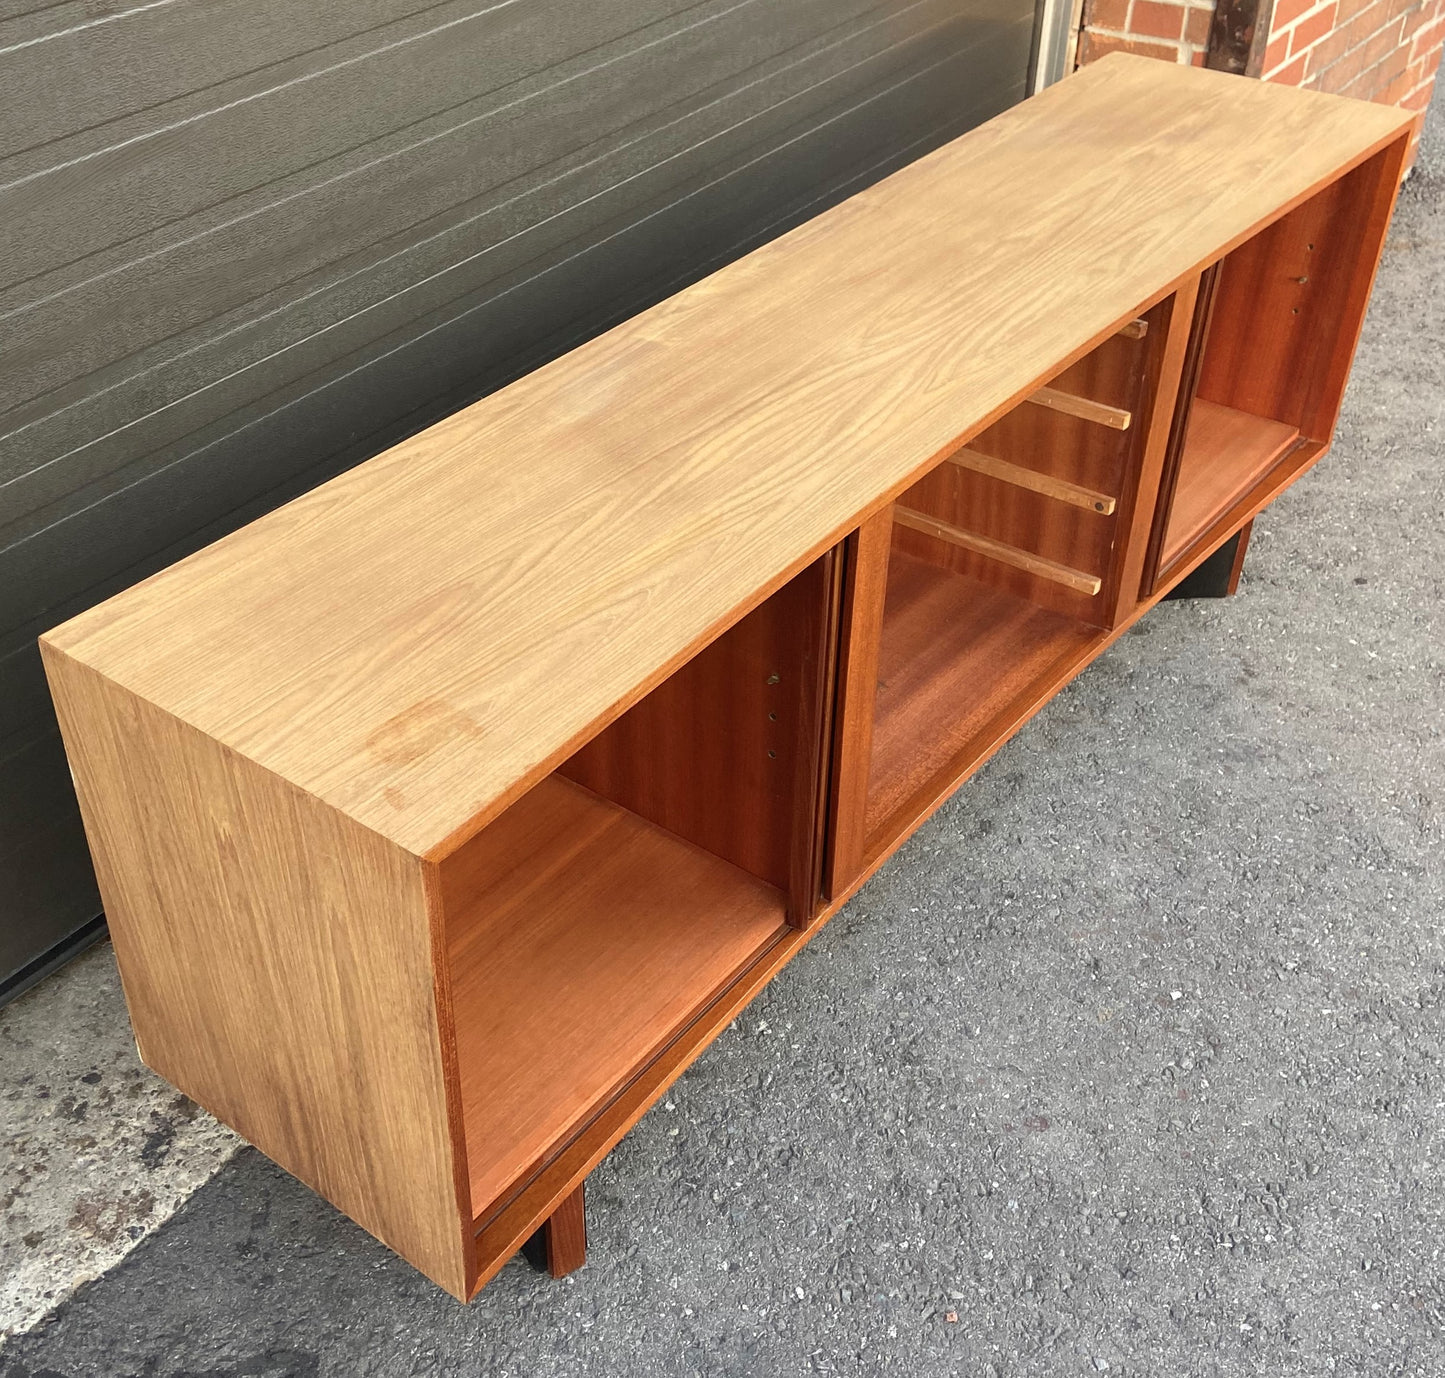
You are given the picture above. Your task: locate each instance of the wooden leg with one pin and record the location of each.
(560, 1246)
(1218, 576)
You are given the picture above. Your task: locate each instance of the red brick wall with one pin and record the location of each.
(1380, 50)
(1155, 28)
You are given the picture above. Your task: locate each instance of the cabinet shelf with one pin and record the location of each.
(961, 664)
(1226, 453)
(589, 939)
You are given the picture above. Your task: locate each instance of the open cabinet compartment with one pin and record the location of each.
(992, 580)
(1270, 350)
(596, 917)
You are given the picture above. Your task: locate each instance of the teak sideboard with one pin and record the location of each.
(446, 813)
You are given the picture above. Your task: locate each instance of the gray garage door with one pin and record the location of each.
(247, 243)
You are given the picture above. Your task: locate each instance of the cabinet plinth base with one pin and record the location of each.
(1218, 576)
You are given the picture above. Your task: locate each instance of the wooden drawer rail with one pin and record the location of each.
(997, 550)
(1085, 408)
(1022, 477)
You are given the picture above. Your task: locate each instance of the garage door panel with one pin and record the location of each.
(175, 375)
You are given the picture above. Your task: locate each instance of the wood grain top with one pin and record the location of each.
(419, 640)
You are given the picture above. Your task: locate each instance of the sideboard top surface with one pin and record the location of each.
(420, 639)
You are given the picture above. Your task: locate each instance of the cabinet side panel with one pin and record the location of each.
(865, 592)
(277, 963)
